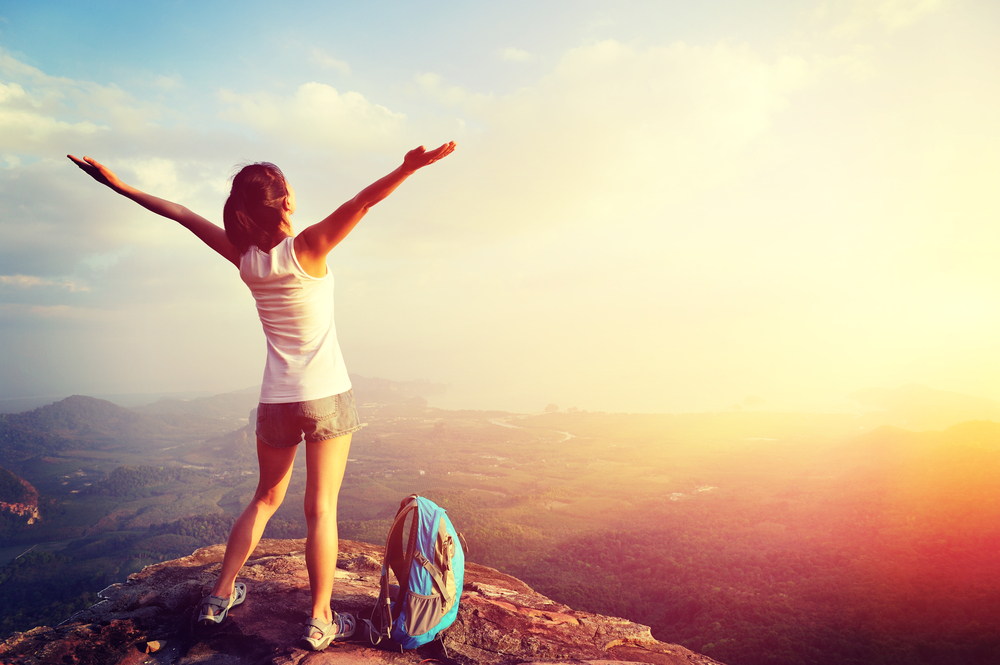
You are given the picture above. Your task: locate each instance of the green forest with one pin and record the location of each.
(751, 537)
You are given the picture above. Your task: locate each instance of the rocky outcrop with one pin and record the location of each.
(149, 620)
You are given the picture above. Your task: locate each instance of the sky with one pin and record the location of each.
(654, 206)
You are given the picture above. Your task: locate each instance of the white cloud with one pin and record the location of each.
(105, 260)
(31, 281)
(895, 14)
(516, 55)
(168, 82)
(433, 85)
(614, 131)
(158, 175)
(41, 113)
(59, 312)
(327, 61)
(852, 17)
(24, 125)
(317, 115)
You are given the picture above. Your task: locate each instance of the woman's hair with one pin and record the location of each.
(253, 212)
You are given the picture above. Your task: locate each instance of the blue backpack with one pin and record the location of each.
(424, 553)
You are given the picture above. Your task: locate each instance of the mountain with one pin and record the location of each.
(501, 620)
(917, 407)
(232, 406)
(384, 391)
(92, 424)
(934, 486)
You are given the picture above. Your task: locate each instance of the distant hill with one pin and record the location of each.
(955, 471)
(916, 407)
(128, 400)
(89, 423)
(384, 391)
(227, 406)
(235, 405)
(898, 443)
(19, 404)
(78, 415)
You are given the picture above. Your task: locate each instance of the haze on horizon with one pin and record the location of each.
(653, 206)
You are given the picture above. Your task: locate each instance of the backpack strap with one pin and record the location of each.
(465, 544)
(381, 615)
(436, 576)
(398, 558)
(411, 547)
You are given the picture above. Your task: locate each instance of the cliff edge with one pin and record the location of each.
(148, 620)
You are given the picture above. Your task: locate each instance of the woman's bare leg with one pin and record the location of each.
(325, 464)
(275, 472)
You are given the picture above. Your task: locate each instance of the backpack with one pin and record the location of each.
(429, 564)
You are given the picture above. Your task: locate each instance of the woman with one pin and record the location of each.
(306, 392)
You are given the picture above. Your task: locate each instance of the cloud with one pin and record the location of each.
(316, 115)
(434, 86)
(66, 312)
(895, 14)
(516, 55)
(40, 113)
(58, 221)
(30, 281)
(164, 177)
(105, 260)
(325, 60)
(614, 131)
(852, 17)
(24, 125)
(168, 82)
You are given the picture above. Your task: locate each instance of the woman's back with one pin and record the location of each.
(304, 361)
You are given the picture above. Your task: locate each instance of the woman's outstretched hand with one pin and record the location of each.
(98, 172)
(419, 157)
(212, 235)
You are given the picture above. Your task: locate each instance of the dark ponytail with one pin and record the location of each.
(253, 212)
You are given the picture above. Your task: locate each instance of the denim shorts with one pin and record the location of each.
(285, 425)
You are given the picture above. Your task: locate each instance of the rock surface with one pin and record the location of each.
(149, 620)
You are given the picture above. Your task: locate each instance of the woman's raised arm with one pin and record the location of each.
(315, 242)
(212, 235)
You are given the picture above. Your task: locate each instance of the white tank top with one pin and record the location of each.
(296, 309)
